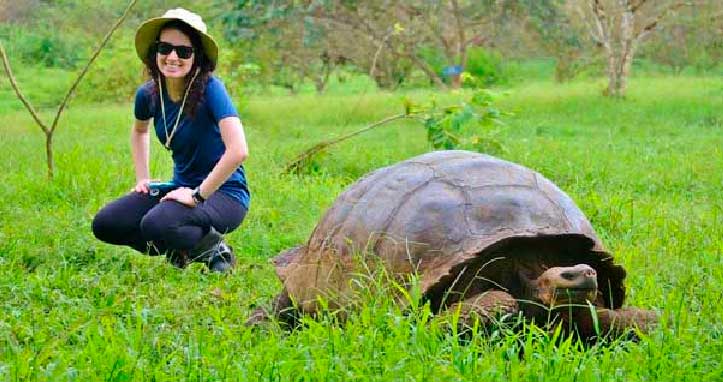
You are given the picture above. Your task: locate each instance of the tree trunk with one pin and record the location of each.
(567, 66)
(456, 81)
(322, 79)
(433, 76)
(627, 42)
(612, 73)
(625, 66)
(49, 153)
(461, 44)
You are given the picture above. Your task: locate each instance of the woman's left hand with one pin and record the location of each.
(182, 195)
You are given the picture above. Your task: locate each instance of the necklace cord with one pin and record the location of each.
(169, 137)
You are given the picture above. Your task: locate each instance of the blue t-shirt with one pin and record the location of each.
(196, 145)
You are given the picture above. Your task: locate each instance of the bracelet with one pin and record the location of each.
(196, 196)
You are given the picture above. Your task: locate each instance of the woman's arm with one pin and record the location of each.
(237, 151)
(232, 134)
(140, 143)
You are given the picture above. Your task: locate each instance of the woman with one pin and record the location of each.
(194, 118)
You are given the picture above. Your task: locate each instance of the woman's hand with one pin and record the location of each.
(181, 195)
(142, 186)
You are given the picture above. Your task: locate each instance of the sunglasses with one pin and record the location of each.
(184, 52)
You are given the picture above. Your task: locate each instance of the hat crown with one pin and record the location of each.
(187, 17)
(148, 32)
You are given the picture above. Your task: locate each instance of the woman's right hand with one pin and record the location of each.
(142, 186)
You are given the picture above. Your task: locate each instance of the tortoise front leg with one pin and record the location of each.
(282, 309)
(611, 324)
(486, 308)
(616, 323)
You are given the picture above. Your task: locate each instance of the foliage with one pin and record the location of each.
(420, 32)
(294, 45)
(44, 86)
(557, 32)
(693, 39)
(486, 66)
(116, 74)
(286, 44)
(472, 124)
(41, 45)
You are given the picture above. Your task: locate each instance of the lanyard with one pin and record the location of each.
(169, 137)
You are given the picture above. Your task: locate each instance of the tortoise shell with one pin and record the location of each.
(438, 215)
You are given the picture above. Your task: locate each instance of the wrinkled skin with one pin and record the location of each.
(563, 294)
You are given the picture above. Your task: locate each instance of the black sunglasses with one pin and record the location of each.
(164, 48)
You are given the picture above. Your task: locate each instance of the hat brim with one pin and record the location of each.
(148, 32)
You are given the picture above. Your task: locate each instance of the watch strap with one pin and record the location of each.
(196, 195)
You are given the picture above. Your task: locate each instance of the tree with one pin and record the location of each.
(407, 30)
(693, 39)
(555, 32)
(619, 26)
(288, 44)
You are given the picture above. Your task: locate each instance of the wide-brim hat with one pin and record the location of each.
(147, 33)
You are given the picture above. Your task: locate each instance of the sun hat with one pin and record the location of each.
(148, 32)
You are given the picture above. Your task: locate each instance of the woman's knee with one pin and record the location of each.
(155, 227)
(119, 218)
(99, 226)
(106, 227)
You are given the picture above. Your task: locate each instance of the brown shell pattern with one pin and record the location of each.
(432, 214)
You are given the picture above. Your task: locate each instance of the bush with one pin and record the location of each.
(115, 74)
(43, 46)
(486, 66)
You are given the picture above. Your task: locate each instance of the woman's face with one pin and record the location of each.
(170, 64)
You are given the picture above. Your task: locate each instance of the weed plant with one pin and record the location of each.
(647, 171)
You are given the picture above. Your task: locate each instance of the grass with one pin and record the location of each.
(647, 171)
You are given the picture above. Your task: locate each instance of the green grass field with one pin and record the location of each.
(647, 171)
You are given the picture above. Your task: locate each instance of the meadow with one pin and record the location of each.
(647, 171)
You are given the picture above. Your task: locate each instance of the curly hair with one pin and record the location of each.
(201, 61)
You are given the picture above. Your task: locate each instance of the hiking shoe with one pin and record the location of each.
(206, 247)
(178, 258)
(222, 260)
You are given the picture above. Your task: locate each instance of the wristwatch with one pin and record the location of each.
(196, 195)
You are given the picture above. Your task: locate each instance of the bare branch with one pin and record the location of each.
(600, 21)
(649, 27)
(296, 163)
(461, 47)
(14, 84)
(379, 50)
(438, 33)
(583, 16)
(398, 49)
(634, 7)
(87, 66)
(477, 40)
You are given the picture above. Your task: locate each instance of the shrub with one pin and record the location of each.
(42, 46)
(485, 65)
(115, 74)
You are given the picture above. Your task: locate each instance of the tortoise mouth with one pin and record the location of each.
(567, 296)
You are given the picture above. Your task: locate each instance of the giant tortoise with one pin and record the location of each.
(483, 237)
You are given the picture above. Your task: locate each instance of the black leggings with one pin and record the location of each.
(138, 220)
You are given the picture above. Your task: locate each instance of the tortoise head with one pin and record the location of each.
(566, 285)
